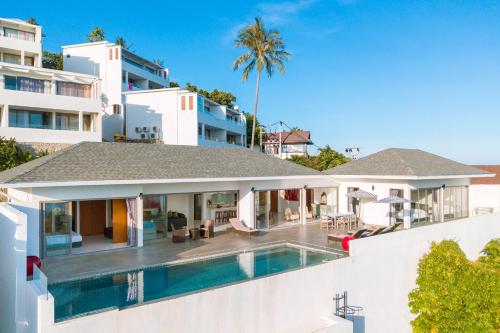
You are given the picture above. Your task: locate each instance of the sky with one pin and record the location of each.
(368, 73)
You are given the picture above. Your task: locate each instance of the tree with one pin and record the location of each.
(33, 21)
(173, 84)
(95, 35)
(327, 158)
(295, 129)
(119, 41)
(11, 155)
(216, 95)
(52, 60)
(454, 294)
(258, 128)
(265, 50)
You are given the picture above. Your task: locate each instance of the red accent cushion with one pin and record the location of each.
(30, 260)
(345, 242)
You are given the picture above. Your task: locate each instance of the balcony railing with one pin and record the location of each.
(221, 117)
(146, 68)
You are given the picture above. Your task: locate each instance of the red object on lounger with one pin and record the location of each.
(345, 242)
(30, 260)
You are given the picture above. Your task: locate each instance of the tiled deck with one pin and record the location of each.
(162, 251)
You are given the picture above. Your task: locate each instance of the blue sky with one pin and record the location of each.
(368, 73)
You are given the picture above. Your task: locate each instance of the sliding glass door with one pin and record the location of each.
(56, 228)
(275, 207)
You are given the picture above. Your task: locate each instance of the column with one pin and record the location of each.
(78, 217)
(80, 121)
(441, 204)
(303, 205)
(4, 122)
(22, 57)
(407, 209)
(140, 221)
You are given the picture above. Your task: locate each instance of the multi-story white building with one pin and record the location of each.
(38, 106)
(177, 116)
(120, 71)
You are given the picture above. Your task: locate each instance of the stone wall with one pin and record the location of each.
(38, 147)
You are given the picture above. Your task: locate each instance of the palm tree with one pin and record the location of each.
(265, 50)
(122, 42)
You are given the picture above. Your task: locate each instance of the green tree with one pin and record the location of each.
(119, 41)
(216, 95)
(258, 128)
(296, 128)
(95, 35)
(455, 294)
(326, 158)
(11, 155)
(52, 60)
(173, 84)
(32, 20)
(265, 50)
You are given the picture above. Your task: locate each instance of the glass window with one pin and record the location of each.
(56, 224)
(73, 89)
(12, 58)
(10, 82)
(30, 119)
(67, 121)
(29, 61)
(276, 207)
(155, 216)
(87, 123)
(19, 34)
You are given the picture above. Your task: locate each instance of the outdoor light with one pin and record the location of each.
(373, 187)
(305, 187)
(252, 189)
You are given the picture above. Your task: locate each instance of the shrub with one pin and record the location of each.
(11, 155)
(455, 294)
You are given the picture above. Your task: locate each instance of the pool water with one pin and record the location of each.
(121, 290)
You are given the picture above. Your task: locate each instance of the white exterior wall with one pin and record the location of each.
(484, 196)
(13, 251)
(20, 46)
(377, 213)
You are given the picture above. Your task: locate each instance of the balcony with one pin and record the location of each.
(215, 142)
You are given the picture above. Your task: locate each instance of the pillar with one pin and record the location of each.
(80, 121)
(407, 209)
(303, 205)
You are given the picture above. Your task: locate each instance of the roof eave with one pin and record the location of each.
(403, 177)
(154, 181)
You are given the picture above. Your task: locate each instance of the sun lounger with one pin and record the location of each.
(373, 233)
(240, 227)
(339, 236)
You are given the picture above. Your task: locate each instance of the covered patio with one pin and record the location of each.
(61, 268)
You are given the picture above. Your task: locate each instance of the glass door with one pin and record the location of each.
(56, 226)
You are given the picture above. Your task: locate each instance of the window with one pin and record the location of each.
(12, 58)
(73, 89)
(116, 108)
(87, 123)
(110, 54)
(183, 103)
(29, 61)
(30, 119)
(19, 34)
(67, 121)
(190, 102)
(26, 84)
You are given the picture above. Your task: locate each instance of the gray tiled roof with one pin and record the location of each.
(404, 162)
(99, 161)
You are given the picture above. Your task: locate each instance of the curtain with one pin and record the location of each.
(131, 222)
(73, 89)
(32, 85)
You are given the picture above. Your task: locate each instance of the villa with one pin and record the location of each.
(43, 108)
(286, 144)
(120, 70)
(148, 205)
(178, 116)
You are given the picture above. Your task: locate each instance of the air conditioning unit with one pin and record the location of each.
(138, 130)
(143, 136)
(153, 136)
(145, 129)
(156, 129)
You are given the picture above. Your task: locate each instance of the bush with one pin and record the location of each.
(11, 155)
(455, 294)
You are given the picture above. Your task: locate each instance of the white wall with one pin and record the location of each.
(382, 270)
(481, 196)
(271, 304)
(13, 239)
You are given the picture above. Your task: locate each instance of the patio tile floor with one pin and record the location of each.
(162, 251)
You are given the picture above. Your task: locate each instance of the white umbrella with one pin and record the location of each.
(362, 196)
(394, 200)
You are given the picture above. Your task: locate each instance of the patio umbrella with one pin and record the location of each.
(362, 196)
(394, 200)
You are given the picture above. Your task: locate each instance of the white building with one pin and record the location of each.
(485, 192)
(435, 189)
(42, 107)
(120, 71)
(177, 116)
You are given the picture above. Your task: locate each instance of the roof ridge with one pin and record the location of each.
(404, 162)
(50, 158)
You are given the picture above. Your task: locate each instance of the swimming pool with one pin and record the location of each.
(125, 289)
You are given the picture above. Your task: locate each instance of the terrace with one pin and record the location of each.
(61, 268)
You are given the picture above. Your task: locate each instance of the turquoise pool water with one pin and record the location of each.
(121, 290)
